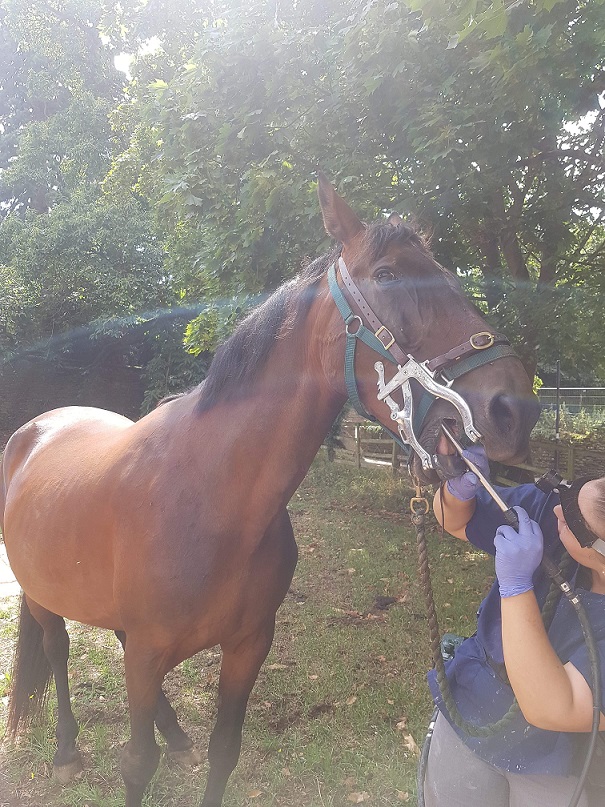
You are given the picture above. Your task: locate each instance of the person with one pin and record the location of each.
(535, 760)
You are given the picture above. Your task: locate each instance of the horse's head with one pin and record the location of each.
(421, 306)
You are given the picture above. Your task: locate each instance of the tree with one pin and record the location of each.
(193, 182)
(485, 124)
(72, 255)
(503, 154)
(59, 84)
(74, 267)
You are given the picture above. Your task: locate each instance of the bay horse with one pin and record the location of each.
(173, 530)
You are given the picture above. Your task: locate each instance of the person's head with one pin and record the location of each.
(583, 509)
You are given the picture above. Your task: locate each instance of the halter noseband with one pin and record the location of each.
(435, 376)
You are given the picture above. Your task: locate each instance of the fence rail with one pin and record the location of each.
(363, 447)
(574, 399)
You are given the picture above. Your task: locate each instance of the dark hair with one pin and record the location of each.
(599, 501)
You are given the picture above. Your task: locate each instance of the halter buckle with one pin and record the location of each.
(384, 330)
(489, 337)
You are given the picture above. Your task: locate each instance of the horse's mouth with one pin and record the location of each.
(434, 442)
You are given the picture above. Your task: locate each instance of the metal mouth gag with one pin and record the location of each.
(404, 417)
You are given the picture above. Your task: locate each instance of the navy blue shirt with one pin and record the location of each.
(475, 673)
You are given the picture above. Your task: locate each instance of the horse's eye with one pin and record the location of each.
(384, 275)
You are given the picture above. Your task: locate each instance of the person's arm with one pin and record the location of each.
(452, 513)
(551, 695)
(454, 502)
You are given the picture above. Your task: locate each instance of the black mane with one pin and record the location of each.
(239, 360)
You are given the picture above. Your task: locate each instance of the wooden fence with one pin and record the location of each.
(363, 446)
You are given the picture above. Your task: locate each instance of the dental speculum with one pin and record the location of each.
(404, 416)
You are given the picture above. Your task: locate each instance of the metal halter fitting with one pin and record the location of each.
(435, 376)
(404, 417)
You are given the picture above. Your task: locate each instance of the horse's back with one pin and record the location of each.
(55, 432)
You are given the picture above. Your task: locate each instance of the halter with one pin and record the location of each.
(435, 376)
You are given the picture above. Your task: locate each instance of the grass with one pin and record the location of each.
(340, 705)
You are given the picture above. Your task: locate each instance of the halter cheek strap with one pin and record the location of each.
(355, 329)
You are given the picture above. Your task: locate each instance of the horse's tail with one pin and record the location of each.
(30, 676)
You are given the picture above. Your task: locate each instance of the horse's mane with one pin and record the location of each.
(238, 361)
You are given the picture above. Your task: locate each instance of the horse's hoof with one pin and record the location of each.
(67, 773)
(188, 758)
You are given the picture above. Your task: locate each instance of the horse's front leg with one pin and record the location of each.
(239, 670)
(141, 754)
(180, 748)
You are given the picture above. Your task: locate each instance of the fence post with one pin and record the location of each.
(570, 462)
(358, 445)
(394, 459)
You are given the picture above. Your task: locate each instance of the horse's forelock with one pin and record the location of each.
(380, 235)
(430, 286)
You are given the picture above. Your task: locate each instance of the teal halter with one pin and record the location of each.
(438, 373)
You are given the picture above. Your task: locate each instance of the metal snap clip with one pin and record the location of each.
(419, 505)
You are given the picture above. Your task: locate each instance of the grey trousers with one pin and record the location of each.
(456, 777)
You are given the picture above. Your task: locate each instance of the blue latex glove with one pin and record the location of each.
(518, 555)
(466, 486)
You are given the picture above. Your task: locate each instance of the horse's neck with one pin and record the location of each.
(295, 406)
(274, 429)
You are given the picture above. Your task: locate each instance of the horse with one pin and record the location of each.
(173, 530)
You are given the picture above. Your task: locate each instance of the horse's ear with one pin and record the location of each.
(339, 220)
(394, 220)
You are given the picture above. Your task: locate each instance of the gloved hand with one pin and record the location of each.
(518, 555)
(465, 487)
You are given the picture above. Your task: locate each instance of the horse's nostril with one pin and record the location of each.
(509, 411)
(502, 411)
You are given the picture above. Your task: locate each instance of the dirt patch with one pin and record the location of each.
(8, 798)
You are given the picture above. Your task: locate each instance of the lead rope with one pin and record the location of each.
(419, 507)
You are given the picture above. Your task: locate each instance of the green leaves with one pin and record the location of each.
(463, 115)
